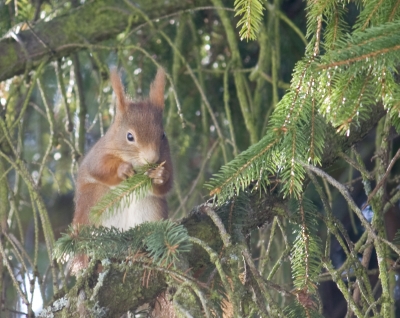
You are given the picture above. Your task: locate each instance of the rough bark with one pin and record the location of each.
(90, 23)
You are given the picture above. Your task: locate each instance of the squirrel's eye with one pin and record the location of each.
(130, 138)
(163, 136)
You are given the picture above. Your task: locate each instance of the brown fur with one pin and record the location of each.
(101, 167)
(113, 158)
(156, 95)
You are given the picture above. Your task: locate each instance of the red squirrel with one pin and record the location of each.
(135, 138)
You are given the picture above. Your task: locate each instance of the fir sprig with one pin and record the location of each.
(376, 46)
(358, 74)
(296, 310)
(235, 176)
(306, 252)
(252, 14)
(167, 241)
(336, 24)
(163, 241)
(295, 133)
(133, 188)
(374, 13)
(342, 86)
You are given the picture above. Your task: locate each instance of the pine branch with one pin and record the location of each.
(376, 46)
(315, 13)
(358, 73)
(340, 85)
(166, 242)
(307, 251)
(237, 174)
(163, 241)
(336, 25)
(374, 13)
(317, 129)
(288, 138)
(394, 13)
(134, 188)
(296, 310)
(252, 14)
(352, 100)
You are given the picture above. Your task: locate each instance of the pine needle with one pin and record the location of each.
(133, 188)
(163, 241)
(252, 13)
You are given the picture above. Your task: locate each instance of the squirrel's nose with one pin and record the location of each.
(150, 156)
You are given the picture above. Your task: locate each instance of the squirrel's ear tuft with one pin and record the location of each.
(156, 95)
(118, 90)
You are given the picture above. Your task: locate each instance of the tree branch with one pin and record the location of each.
(93, 22)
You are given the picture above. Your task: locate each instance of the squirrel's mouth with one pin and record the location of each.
(149, 156)
(143, 167)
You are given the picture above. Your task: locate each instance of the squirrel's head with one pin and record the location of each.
(138, 131)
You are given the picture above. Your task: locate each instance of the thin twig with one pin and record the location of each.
(216, 261)
(345, 192)
(50, 119)
(382, 181)
(199, 175)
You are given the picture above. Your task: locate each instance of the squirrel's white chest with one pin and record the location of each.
(147, 209)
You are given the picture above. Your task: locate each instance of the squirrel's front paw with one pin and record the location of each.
(159, 175)
(125, 170)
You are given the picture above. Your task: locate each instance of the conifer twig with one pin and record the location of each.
(110, 203)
